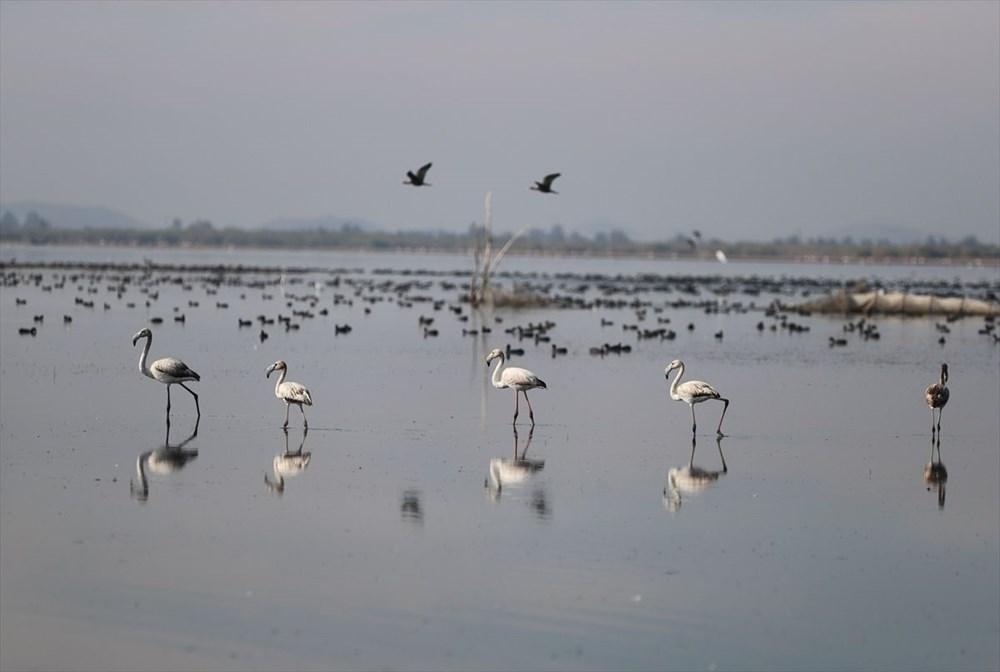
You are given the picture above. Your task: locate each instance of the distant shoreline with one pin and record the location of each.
(804, 259)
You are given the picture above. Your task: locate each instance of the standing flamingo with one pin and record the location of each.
(693, 392)
(168, 370)
(290, 393)
(936, 396)
(517, 379)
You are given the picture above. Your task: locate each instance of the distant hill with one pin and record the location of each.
(69, 216)
(323, 222)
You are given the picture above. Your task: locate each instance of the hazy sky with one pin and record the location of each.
(745, 120)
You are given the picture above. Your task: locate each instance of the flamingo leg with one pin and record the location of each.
(196, 406)
(516, 407)
(168, 405)
(694, 423)
(531, 413)
(940, 411)
(718, 430)
(305, 423)
(287, 407)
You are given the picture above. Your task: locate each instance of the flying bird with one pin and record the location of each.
(169, 371)
(417, 180)
(693, 392)
(290, 393)
(545, 186)
(936, 396)
(518, 379)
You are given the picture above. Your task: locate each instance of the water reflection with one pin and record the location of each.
(162, 461)
(287, 464)
(935, 474)
(515, 472)
(411, 509)
(690, 479)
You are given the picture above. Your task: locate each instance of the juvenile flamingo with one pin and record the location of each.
(290, 393)
(936, 396)
(693, 392)
(169, 371)
(517, 379)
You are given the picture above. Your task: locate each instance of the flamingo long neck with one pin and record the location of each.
(944, 376)
(496, 374)
(277, 384)
(142, 358)
(673, 388)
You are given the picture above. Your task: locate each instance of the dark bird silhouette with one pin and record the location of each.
(545, 186)
(417, 179)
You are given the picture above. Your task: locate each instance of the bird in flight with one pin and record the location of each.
(417, 179)
(545, 186)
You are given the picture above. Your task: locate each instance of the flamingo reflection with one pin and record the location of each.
(287, 464)
(935, 474)
(411, 509)
(162, 461)
(690, 479)
(513, 472)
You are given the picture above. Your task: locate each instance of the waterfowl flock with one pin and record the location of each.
(638, 313)
(624, 303)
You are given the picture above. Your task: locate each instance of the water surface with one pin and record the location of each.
(821, 546)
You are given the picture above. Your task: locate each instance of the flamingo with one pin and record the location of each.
(417, 180)
(936, 396)
(693, 392)
(169, 371)
(517, 379)
(290, 393)
(545, 186)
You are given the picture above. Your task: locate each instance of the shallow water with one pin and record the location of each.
(820, 546)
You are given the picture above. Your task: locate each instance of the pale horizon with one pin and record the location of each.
(746, 121)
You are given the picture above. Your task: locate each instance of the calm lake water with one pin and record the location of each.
(412, 528)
